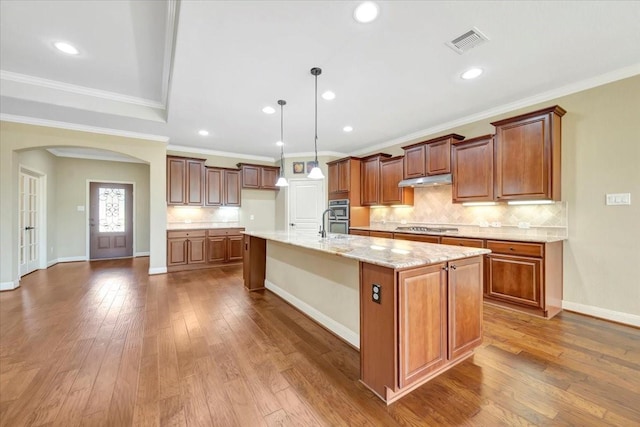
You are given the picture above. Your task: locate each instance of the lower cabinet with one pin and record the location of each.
(439, 322)
(195, 249)
(254, 262)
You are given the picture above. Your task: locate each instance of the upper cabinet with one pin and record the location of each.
(472, 169)
(391, 173)
(528, 156)
(259, 176)
(370, 179)
(344, 179)
(432, 157)
(222, 187)
(185, 181)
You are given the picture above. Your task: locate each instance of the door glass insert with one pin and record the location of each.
(111, 210)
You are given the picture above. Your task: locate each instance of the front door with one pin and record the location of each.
(110, 220)
(28, 222)
(306, 203)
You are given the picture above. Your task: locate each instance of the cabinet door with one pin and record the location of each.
(197, 250)
(269, 178)
(333, 178)
(216, 249)
(515, 279)
(391, 175)
(232, 195)
(472, 169)
(422, 305)
(344, 175)
(213, 187)
(176, 252)
(415, 162)
(438, 157)
(176, 181)
(370, 182)
(251, 176)
(234, 248)
(465, 305)
(195, 182)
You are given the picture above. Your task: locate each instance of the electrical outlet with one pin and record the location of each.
(524, 225)
(376, 294)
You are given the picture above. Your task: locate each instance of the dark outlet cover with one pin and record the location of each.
(376, 293)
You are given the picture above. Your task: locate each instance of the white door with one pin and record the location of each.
(28, 222)
(306, 203)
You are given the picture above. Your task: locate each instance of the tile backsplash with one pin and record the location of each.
(432, 205)
(196, 215)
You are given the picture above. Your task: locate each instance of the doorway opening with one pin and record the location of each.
(32, 239)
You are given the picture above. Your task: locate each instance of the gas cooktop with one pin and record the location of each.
(428, 229)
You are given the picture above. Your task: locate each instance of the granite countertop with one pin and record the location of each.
(200, 225)
(397, 254)
(490, 233)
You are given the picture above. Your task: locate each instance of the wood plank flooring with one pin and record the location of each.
(104, 344)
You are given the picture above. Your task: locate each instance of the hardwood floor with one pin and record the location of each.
(104, 344)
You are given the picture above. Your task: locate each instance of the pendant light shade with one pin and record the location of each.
(316, 172)
(282, 181)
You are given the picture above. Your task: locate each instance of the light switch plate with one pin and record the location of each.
(618, 199)
(80, 208)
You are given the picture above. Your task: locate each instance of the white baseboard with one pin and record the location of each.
(337, 328)
(137, 254)
(52, 262)
(157, 270)
(9, 286)
(72, 259)
(603, 313)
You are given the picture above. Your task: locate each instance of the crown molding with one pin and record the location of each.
(313, 154)
(569, 89)
(82, 128)
(78, 90)
(106, 156)
(195, 150)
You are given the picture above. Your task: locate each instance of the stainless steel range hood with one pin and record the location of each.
(426, 181)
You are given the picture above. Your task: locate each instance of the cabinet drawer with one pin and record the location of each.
(416, 237)
(186, 233)
(383, 234)
(225, 232)
(516, 248)
(459, 241)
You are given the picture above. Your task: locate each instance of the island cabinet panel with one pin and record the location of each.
(422, 302)
(465, 306)
(254, 262)
(528, 155)
(185, 181)
(472, 170)
(390, 176)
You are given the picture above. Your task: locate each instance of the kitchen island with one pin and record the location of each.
(413, 309)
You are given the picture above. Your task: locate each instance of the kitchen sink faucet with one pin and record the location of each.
(323, 230)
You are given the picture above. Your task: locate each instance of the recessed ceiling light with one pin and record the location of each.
(471, 73)
(268, 110)
(279, 143)
(366, 12)
(328, 95)
(347, 128)
(203, 132)
(66, 48)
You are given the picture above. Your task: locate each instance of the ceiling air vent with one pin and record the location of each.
(468, 40)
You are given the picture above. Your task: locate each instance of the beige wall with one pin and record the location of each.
(17, 137)
(600, 154)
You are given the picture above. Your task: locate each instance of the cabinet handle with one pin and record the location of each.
(453, 267)
(511, 249)
(445, 268)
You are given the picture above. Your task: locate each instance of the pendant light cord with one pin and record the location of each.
(282, 140)
(316, 119)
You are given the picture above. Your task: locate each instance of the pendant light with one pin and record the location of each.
(282, 181)
(316, 173)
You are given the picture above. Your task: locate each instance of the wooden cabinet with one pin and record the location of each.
(186, 248)
(528, 157)
(525, 276)
(254, 262)
(472, 169)
(422, 333)
(382, 234)
(359, 232)
(185, 181)
(222, 187)
(391, 173)
(462, 241)
(344, 179)
(465, 306)
(431, 157)
(195, 249)
(370, 179)
(259, 176)
(417, 237)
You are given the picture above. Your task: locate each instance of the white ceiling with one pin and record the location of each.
(168, 69)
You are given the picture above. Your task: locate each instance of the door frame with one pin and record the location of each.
(42, 215)
(287, 209)
(87, 212)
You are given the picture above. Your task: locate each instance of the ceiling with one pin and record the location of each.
(166, 69)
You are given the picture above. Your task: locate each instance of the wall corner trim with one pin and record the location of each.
(603, 313)
(9, 286)
(157, 270)
(335, 327)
